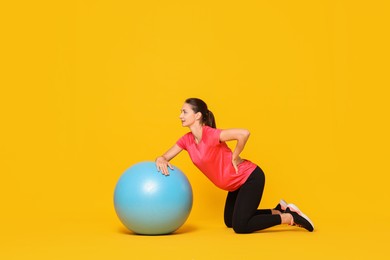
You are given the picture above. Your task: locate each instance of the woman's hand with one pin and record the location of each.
(236, 162)
(162, 165)
(162, 162)
(241, 135)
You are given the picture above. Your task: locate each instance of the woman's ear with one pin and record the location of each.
(198, 115)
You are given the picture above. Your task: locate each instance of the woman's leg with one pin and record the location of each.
(246, 218)
(229, 208)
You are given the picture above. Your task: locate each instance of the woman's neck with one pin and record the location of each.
(197, 131)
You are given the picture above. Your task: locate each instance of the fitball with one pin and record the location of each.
(150, 203)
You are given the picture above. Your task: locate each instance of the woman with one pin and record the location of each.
(243, 179)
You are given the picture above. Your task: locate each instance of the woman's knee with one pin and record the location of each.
(228, 222)
(241, 228)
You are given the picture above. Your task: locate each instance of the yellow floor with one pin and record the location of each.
(105, 238)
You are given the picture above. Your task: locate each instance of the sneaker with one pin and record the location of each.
(299, 219)
(282, 206)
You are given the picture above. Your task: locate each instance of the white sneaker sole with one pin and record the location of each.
(296, 209)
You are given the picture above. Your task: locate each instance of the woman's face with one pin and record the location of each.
(187, 116)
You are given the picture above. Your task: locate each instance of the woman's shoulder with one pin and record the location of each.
(209, 129)
(186, 135)
(211, 134)
(184, 140)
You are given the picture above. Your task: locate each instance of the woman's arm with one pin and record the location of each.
(241, 135)
(162, 162)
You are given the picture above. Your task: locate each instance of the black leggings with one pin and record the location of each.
(241, 211)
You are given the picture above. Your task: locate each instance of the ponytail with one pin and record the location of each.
(199, 105)
(209, 119)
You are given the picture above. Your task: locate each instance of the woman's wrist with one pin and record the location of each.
(237, 159)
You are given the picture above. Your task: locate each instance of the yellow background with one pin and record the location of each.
(89, 88)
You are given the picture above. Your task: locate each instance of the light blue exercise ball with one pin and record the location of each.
(150, 203)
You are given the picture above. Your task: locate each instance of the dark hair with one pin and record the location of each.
(199, 105)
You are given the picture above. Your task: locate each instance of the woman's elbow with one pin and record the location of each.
(246, 133)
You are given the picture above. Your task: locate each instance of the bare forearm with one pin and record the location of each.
(171, 153)
(241, 141)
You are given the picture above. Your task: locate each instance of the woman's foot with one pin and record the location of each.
(282, 206)
(298, 218)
